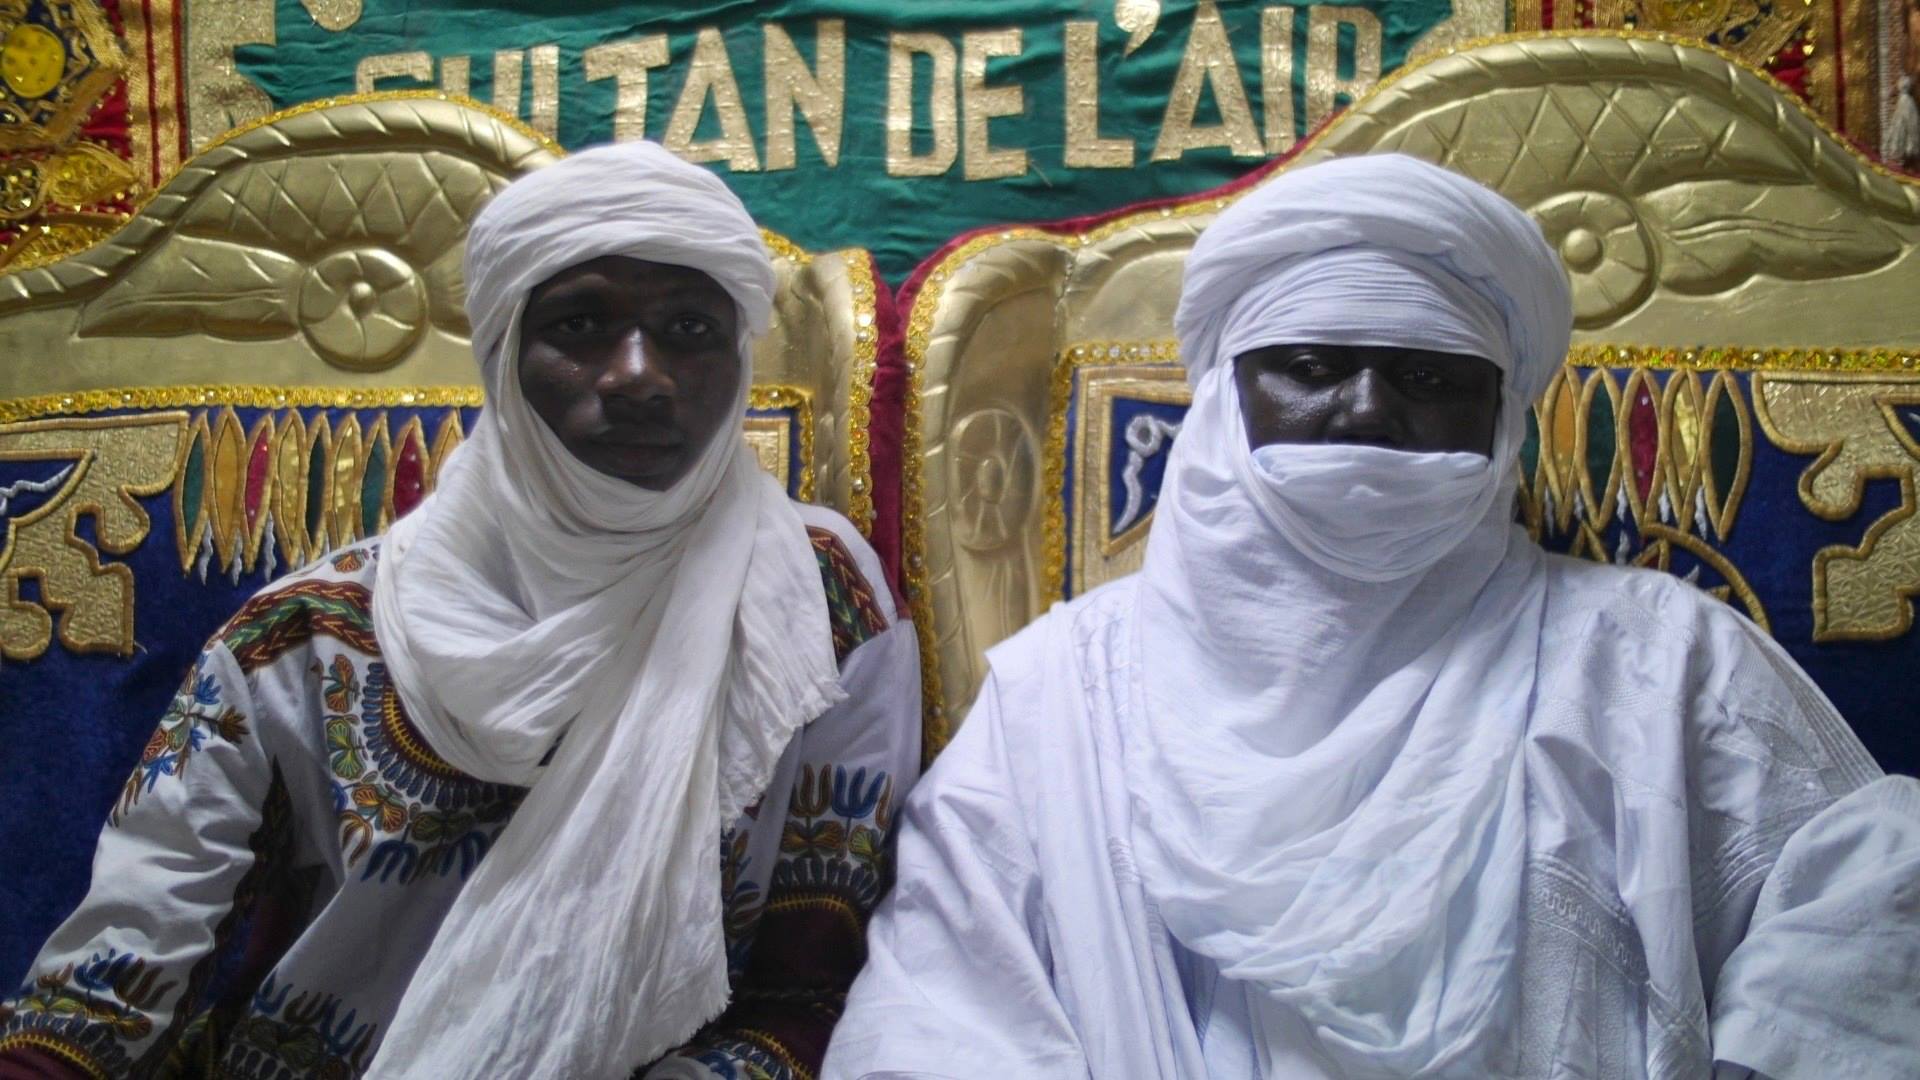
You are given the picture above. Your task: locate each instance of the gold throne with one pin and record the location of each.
(1745, 292)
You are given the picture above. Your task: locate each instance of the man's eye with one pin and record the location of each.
(578, 325)
(1308, 367)
(691, 326)
(1424, 377)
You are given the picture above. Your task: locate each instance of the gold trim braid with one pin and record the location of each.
(1735, 358)
(258, 397)
(866, 363)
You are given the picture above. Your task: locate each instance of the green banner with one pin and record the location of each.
(887, 125)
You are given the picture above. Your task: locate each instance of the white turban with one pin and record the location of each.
(676, 639)
(1336, 643)
(1381, 250)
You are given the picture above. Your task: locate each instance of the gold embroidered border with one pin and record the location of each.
(352, 397)
(1847, 364)
(115, 459)
(258, 397)
(801, 402)
(58, 1047)
(934, 727)
(1738, 358)
(1865, 442)
(1065, 370)
(866, 361)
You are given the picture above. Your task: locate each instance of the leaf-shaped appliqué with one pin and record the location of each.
(342, 685)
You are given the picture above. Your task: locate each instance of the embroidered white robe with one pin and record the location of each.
(287, 846)
(1716, 871)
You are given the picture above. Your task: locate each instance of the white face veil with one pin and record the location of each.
(661, 646)
(1335, 645)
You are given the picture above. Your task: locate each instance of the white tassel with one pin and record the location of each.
(206, 554)
(1902, 145)
(266, 550)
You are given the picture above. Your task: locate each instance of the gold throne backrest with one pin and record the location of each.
(1696, 204)
(314, 258)
(270, 361)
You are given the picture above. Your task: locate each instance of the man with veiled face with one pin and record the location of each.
(1354, 781)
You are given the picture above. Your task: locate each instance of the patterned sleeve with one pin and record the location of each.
(112, 988)
(856, 763)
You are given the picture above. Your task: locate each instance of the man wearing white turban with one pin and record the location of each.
(607, 654)
(1352, 780)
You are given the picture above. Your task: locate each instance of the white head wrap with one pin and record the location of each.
(1336, 643)
(676, 639)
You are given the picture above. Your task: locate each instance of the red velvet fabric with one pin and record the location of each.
(30, 1063)
(885, 430)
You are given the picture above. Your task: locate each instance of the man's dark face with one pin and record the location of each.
(632, 364)
(1402, 399)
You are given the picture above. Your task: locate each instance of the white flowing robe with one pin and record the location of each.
(1715, 871)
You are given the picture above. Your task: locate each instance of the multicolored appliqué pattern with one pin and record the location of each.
(197, 714)
(811, 932)
(400, 807)
(274, 622)
(851, 606)
(86, 1015)
(299, 482)
(311, 1033)
(1660, 459)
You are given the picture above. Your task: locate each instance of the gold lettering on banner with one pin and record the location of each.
(367, 74)
(627, 64)
(333, 15)
(819, 94)
(980, 103)
(219, 98)
(1324, 84)
(711, 75)
(942, 116)
(1085, 148)
(1207, 61)
(1276, 77)
(506, 80)
(543, 113)
(456, 75)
